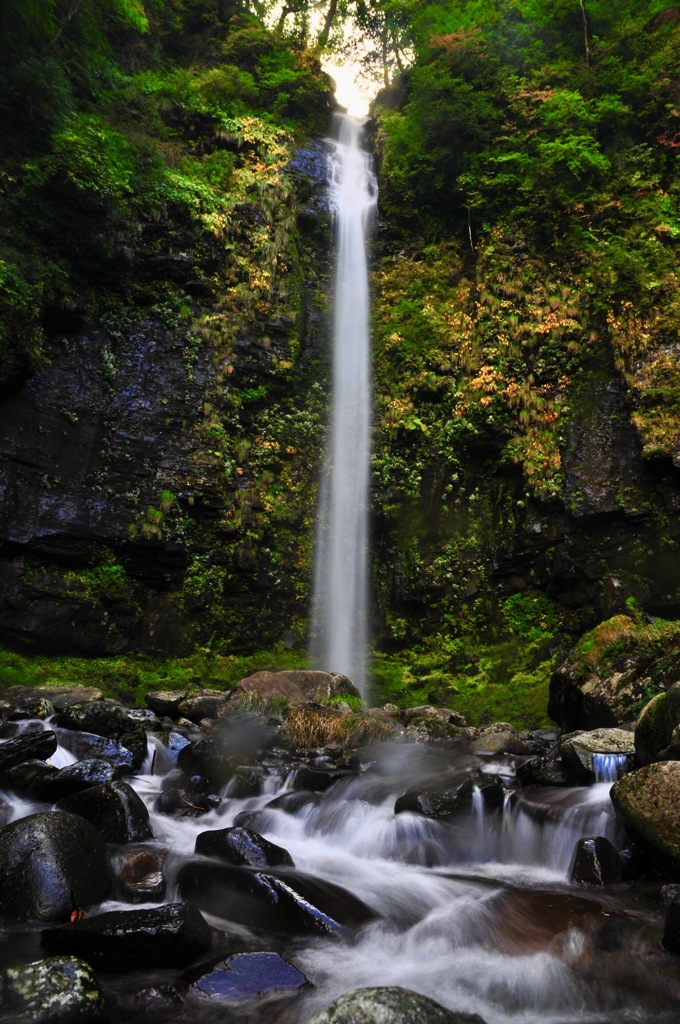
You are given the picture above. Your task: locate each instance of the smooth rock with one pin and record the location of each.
(249, 976)
(242, 846)
(50, 863)
(87, 746)
(390, 1006)
(548, 770)
(114, 809)
(57, 990)
(173, 934)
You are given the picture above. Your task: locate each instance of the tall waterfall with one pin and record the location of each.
(339, 629)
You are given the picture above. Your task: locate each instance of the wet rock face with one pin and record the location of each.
(59, 990)
(50, 862)
(396, 1005)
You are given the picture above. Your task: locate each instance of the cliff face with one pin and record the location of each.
(158, 467)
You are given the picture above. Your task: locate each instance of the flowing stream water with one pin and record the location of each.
(339, 628)
(476, 912)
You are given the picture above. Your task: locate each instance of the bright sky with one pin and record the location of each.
(350, 91)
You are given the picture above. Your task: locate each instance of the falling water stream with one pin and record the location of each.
(340, 592)
(477, 912)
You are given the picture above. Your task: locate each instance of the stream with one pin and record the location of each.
(478, 913)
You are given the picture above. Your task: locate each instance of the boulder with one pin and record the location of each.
(165, 702)
(296, 685)
(657, 730)
(595, 862)
(205, 705)
(647, 801)
(445, 715)
(88, 746)
(500, 738)
(40, 781)
(51, 863)
(390, 1006)
(580, 751)
(104, 718)
(249, 976)
(439, 800)
(241, 846)
(170, 935)
(239, 742)
(139, 875)
(58, 990)
(292, 904)
(602, 682)
(27, 747)
(114, 809)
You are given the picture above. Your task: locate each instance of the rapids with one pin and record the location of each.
(477, 913)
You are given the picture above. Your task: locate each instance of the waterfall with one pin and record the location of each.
(339, 627)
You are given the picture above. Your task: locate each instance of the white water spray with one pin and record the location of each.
(339, 629)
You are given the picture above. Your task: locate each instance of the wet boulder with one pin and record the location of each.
(585, 753)
(170, 935)
(246, 976)
(40, 781)
(319, 778)
(657, 730)
(438, 800)
(240, 741)
(396, 1005)
(104, 718)
(647, 801)
(57, 990)
(87, 746)
(114, 809)
(27, 747)
(595, 862)
(139, 875)
(291, 904)
(242, 846)
(50, 863)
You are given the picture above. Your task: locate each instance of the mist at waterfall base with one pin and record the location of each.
(340, 607)
(477, 912)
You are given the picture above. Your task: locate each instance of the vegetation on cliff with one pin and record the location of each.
(158, 249)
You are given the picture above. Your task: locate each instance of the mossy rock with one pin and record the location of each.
(647, 801)
(656, 736)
